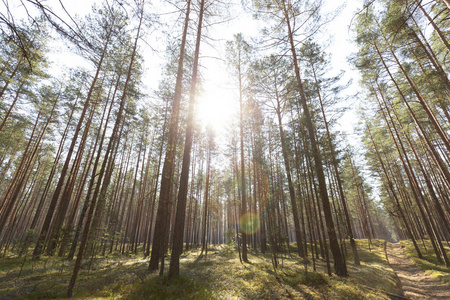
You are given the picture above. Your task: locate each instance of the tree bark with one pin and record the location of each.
(161, 222)
(340, 266)
(174, 269)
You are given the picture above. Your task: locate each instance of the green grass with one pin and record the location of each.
(374, 271)
(429, 262)
(48, 278)
(220, 275)
(161, 287)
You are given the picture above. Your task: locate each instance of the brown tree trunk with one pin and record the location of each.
(8, 113)
(174, 269)
(161, 223)
(206, 200)
(46, 226)
(435, 27)
(13, 73)
(436, 155)
(418, 196)
(60, 215)
(336, 171)
(87, 226)
(340, 267)
(447, 3)
(243, 183)
(298, 235)
(422, 101)
(394, 194)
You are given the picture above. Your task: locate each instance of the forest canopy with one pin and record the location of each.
(154, 128)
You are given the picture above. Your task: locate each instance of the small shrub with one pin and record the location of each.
(230, 235)
(313, 279)
(181, 287)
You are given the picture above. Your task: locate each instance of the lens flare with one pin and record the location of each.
(249, 223)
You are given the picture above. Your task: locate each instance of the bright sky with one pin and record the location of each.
(218, 102)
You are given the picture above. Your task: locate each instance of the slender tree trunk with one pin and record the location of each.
(298, 235)
(394, 194)
(174, 269)
(160, 235)
(340, 267)
(447, 3)
(8, 113)
(243, 183)
(336, 171)
(206, 200)
(86, 230)
(422, 101)
(13, 73)
(46, 226)
(435, 27)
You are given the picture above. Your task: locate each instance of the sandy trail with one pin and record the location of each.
(416, 284)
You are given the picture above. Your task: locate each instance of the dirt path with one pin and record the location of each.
(416, 284)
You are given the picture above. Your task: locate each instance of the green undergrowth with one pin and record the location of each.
(374, 271)
(48, 277)
(219, 275)
(428, 262)
(161, 287)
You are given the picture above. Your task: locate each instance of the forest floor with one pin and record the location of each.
(416, 284)
(428, 262)
(219, 275)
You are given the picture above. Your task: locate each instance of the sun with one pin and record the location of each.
(216, 107)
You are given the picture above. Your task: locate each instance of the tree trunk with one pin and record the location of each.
(178, 232)
(338, 177)
(46, 226)
(298, 235)
(160, 235)
(87, 226)
(339, 262)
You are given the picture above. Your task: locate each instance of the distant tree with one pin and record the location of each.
(288, 14)
(161, 230)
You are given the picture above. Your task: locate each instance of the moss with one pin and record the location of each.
(161, 287)
(428, 262)
(220, 275)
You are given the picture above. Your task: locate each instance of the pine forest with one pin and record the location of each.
(225, 149)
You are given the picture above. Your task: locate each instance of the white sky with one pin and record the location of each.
(220, 94)
(217, 86)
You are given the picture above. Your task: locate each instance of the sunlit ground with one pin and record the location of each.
(220, 275)
(429, 262)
